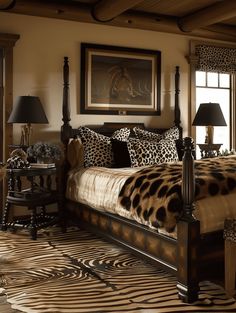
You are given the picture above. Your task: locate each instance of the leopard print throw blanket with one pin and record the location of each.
(153, 194)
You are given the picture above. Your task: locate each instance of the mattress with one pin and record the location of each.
(99, 188)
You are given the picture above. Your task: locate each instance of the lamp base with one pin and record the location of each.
(26, 132)
(209, 135)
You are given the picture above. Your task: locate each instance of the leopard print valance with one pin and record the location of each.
(216, 59)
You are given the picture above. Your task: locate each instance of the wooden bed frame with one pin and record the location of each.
(190, 257)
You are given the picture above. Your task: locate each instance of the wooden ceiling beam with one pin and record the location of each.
(168, 25)
(138, 20)
(71, 11)
(223, 29)
(211, 15)
(6, 4)
(106, 10)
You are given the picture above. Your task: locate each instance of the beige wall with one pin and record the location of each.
(38, 61)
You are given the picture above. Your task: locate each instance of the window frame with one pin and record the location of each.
(193, 59)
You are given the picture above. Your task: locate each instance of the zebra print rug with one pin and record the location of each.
(77, 272)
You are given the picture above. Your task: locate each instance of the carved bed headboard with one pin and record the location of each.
(107, 129)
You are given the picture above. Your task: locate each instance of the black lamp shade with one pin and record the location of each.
(28, 109)
(209, 114)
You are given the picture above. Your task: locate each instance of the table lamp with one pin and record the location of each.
(28, 109)
(209, 115)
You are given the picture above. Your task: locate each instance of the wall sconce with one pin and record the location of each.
(209, 115)
(28, 109)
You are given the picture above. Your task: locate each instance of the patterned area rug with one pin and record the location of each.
(78, 272)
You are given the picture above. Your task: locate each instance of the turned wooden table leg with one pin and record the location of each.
(33, 226)
(5, 216)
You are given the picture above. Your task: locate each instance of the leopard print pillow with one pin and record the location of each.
(171, 133)
(146, 135)
(143, 152)
(98, 148)
(121, 134)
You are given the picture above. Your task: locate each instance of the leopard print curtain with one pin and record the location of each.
(216, 59)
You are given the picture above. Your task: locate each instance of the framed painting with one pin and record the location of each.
(118, 80)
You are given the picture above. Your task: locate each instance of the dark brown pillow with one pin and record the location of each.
(120, 153)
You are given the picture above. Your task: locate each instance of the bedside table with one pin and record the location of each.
(38, 193)
(209, 150)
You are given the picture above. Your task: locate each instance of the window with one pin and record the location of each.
(213, 79)
(214, 87)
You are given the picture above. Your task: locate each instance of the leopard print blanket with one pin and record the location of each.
(153, 194)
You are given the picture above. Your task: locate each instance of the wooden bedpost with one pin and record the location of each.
(188, 232)
(66, 134)
(177, 109)
(66, 129)
(177, 121)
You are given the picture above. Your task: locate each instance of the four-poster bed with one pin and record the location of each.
(189, 256)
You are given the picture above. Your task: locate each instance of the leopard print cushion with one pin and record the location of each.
(171, 133)
(143, 152)
(146, 135)
(98, 148)
(121, 134)
(153, 194)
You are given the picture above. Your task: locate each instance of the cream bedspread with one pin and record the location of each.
(99, 188)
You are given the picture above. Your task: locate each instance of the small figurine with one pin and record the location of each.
(18, 159)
